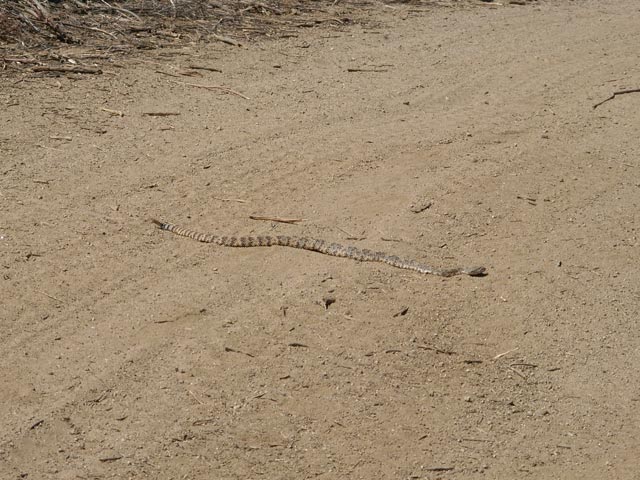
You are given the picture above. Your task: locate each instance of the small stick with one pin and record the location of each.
(123, 10)
(67, 69)
(52, 297)
(19, 60)
(376, 70)
(37, 424)
(239, 200)
(276, 219)
(438, 469)
(619, 92)
(226, 40)
(189, 73)
(210, 69)
(518, 373)
(94, 29)
(212, 87)
(437, 350)
(529, 200)
(196, 398)
(229, 349)
(351, 236)
(160, 114)
(167, 73)
(117, 113)
(500, 355)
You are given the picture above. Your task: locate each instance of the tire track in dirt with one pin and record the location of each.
(362, 389)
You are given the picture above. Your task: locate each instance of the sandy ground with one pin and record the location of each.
(128, 352)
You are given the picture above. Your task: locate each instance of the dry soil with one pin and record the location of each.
(128, 352)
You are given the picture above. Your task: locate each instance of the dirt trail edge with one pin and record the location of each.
(448, 136)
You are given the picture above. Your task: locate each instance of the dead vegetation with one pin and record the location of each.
(45, 32)
(122, 25)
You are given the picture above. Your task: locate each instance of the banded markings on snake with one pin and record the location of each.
(320, 246)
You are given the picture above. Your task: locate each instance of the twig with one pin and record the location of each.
(160, 114)
(350, 236)
(212, 87)
(94, 29)
(529, 200)
(52, 297)
(123, 10)
(19, 60)
(226, 40)
(518, 373)
(239, 200)
(189, 73)
(117, 113)
(67, 69)
(196, 398)
(276, 219)
(36, 424)
(438, 469)
(619, 92)
(402, 312)
(437, 350)
(376, 70)
(500, 355)
(168, 74)
(229, 349)
(210, 69)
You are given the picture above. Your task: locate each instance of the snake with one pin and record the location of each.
(320, 246)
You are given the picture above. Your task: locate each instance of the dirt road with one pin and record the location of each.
(128, 352)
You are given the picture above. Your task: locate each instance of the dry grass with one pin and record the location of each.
(45, 31)
(33, 24)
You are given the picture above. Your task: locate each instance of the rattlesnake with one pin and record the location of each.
(316, 245)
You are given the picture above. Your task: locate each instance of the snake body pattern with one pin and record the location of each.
(321, 246)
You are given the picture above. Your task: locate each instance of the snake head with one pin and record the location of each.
(475, 271)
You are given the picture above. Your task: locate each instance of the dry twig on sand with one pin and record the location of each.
(619, 92)
(19, 60)
(67, 69)
(276, 219)
(374, 70)
(212, 87)
(227, 40)
(116, 113)
(239, 200)
(160, 114)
